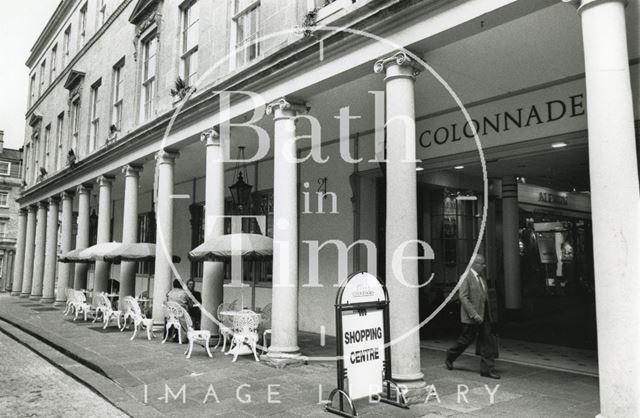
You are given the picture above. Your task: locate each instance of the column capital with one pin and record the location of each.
(23, 211)
(105, 180)
(400, 59)
(166, 156)
(210, 137)
(32, 208)
(84, 189)
(43, 204)
(53, 200)
(580, 5)
(67, 194)
(132, 170)
(284, 104)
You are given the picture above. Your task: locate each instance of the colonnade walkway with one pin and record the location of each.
(141, 377)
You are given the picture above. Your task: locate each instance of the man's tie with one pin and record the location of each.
(479, 277)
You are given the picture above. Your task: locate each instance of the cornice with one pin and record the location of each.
(51, 26)
(78, 55)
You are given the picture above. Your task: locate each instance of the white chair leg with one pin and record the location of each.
(253, 348)
(190, 349)
(118, 319)
(179, 331)
(167, 328)
(149, 333)
(135, 331)
(224, 342)
(206, 345)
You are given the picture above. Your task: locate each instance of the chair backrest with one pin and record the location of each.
(221, 307)
(266, 316)
(79, 296)
(176, 311)
(131, 305)
(246, 321)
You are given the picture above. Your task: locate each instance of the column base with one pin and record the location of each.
(47, 300)
(281, 360)
(60, 303)
(15, 293)
(24, 295)
(415, 391)
(35, 297)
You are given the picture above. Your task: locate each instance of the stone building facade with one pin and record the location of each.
(10, 188)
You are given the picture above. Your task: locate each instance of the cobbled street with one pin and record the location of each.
(32, 387)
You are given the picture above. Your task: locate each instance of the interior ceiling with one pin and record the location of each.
(539, 48)
(561, 169)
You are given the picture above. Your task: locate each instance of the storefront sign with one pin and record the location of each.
(363, 348)
(543, 196)
(555, 110)
(363, 352)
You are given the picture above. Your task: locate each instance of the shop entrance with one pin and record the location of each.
(555, 243)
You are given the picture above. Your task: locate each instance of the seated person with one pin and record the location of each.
(194, 311)
(179, 296)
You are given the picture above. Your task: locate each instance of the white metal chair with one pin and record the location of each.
(264, 328)
(173, 314)
(245, 331)
(100, 304)
(69, 293)
(80, 305)
(108, 313)
(193, 336)
(132, 310)
(225, 324)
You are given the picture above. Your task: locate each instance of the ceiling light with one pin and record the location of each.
(458, 167)
(419, 168)
(559, 145)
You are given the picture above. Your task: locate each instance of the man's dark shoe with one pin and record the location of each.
(492, 374)
(448, 364)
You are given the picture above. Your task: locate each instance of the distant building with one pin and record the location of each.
(10, 185)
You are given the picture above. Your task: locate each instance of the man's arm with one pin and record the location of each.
(464, 294)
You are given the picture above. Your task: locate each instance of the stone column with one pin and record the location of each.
(615, 204)
(82, 237)
(402, 221)
(165, 161)
(29, 248)
(213, 272)
(51, 256)
(511, 249)
(66, 228)
(18, 265)
(284, 315)
(103, 269)
(129, 228)
(38, 255)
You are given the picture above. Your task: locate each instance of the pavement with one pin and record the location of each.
(144, 378)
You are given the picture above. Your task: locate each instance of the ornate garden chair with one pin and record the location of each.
(193, 336)
(132, 310)
(109, 313)
(100, 305)
(80, 305)
(224, 324)
(173, 313)
(245, 331)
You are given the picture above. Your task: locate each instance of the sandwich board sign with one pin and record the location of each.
(363, 349)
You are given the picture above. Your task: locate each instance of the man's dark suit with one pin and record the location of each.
(474, 303)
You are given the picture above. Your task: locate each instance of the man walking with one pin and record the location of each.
(476, 320)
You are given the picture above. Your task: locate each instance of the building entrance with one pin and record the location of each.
(554, 242)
